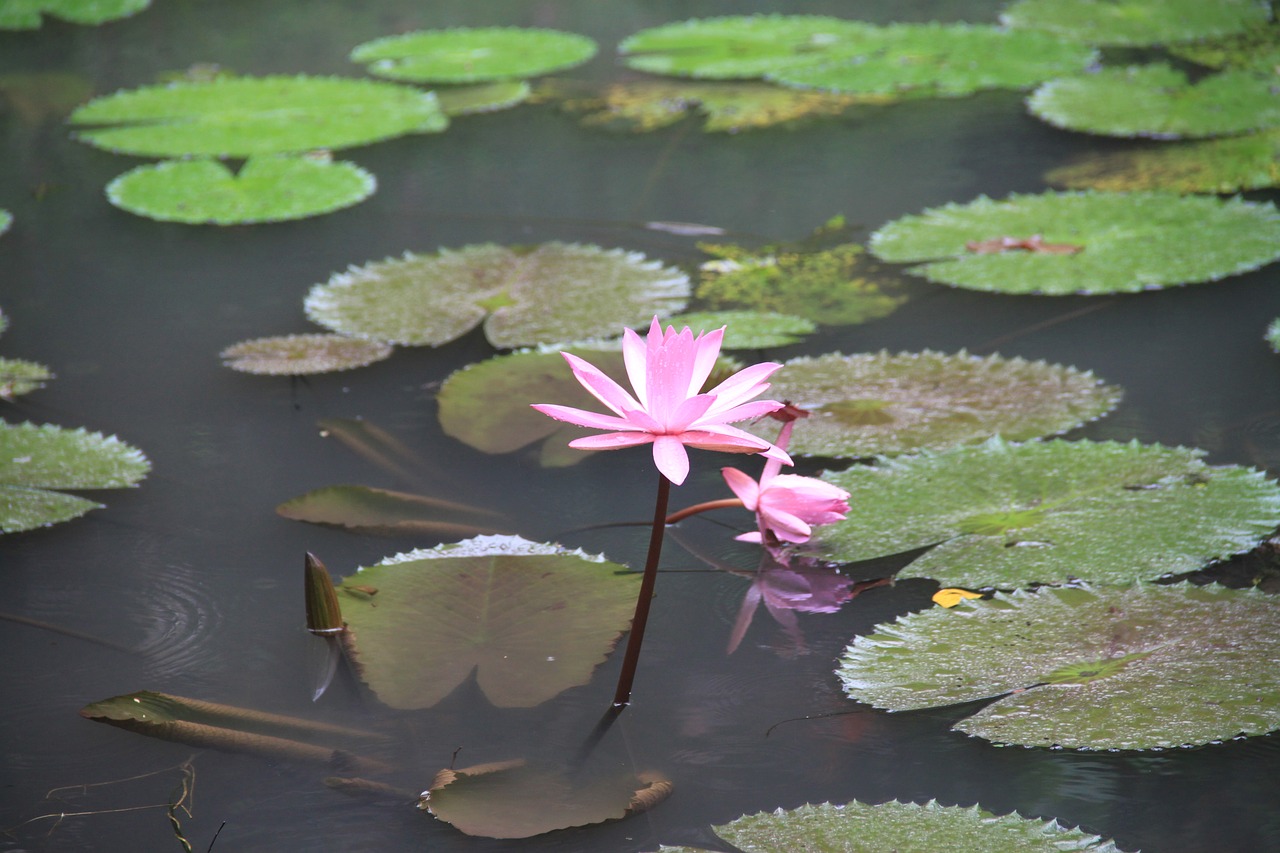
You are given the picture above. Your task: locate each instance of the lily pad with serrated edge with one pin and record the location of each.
(941, 59)
(247, 116)
(25, 14)
(748, 329)
(1006, 515)
(531, 620)
(1227, 165)
(473, 55)
(297, 355)
(878, 403)
(267, 189)
(19, 377)
(1158, 101)
(901, 827)
(1255, 50)
(523, 295)
(1126, 242)
(1141, 667)
(482, 97)
(35, 460)
(1136, 22)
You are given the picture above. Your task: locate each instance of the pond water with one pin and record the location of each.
(200, 582)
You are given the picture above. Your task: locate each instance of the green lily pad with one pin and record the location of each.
(267, 189)
(25, 14)
(901, 828)
(1255, 50)
(1126, 242)
(1273, 334)
(246, 116)
(297, 355)
(941, 59)
(523, 295)
(1228, 165)
(877, 403)
(1158, 101)
(21, 377)
(531, 620)
(466, 55)
(1143, 667)
(1005, 515)
(749, 329)
(482, 97)
(34, 460)
(1136, 22)
(388, 512)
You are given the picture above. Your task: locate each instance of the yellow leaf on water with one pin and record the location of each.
(951, 596)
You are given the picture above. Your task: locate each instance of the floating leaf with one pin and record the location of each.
(512, 799)
(550, 292)
(247, 116)
(862, 405)
(1256, 50)
(1143, 667)
(941, 59)
(1004, 515)
(267, 189)
(1273, 334)
(467, 55)
(482, 97)
(295, 355)
(749, 329)
(902, 828)
(37, 97)
(1132, 241)
(1158, 101)
(1136, 22)
(1228, 165)
(20, 377)
(25, 14)
(388, 512)
(951, 596)
(531, 620)
(35, 459)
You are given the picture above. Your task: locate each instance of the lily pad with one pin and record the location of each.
(1143, 667)
(523, 295)
(1228, 165)
(1136, 22)
(1128, 241)
(941, 59)
(877, 403)
(21, 377)
(1158, 101)
(297, 355)
(482, 97)
(25, 14)
(531, 620)
(902, 828)
(34, 460)
(749, 329)
(1257, 49)
(1005, 515)
(247, 116)
(267, 189)
(389, 512)
(467, 55)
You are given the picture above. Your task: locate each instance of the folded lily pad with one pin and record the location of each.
(473, 55)
(386, 511)
(1257, 49)
(749, 329)
(35, 460)
(1136, 22)
(482, 97)
(1141, 667)
(1126, 242)
(902, 828)
(1158, 101)
(19, 377)
(1005, 515)
(531, 620)
(877, 403)
(267, 189)
(297, 355)
(523, 295)
(25, 14)
(246, 116)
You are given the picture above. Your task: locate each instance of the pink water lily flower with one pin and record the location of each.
(667, 371)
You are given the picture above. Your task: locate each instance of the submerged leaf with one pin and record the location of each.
(296, 355)
(1136, 22)
(25, 14)
(1142, 667)
(530, 620)
(384, 511)
(482, 97)
(472, 55)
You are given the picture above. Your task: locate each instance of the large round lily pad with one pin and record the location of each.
(473, 55)
(531, 620)
(523, 295)
(878, 403)
(25, 14)
(1083, 242)
(1136, 22)
(1007, 515)
(1158, 101)
(901, 828)
(1142, 667)
(245, 116)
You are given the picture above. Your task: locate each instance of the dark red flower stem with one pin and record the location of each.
(622, 696)
(682, 514)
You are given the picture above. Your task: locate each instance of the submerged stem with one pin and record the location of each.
(682, 514)
(622, 696)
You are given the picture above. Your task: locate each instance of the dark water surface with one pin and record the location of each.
(196, 572)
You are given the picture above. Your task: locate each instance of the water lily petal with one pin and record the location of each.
(747, 489)
(671, 458)
(689, 412)
(611, 440)
(601, 386)
(582, 417)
